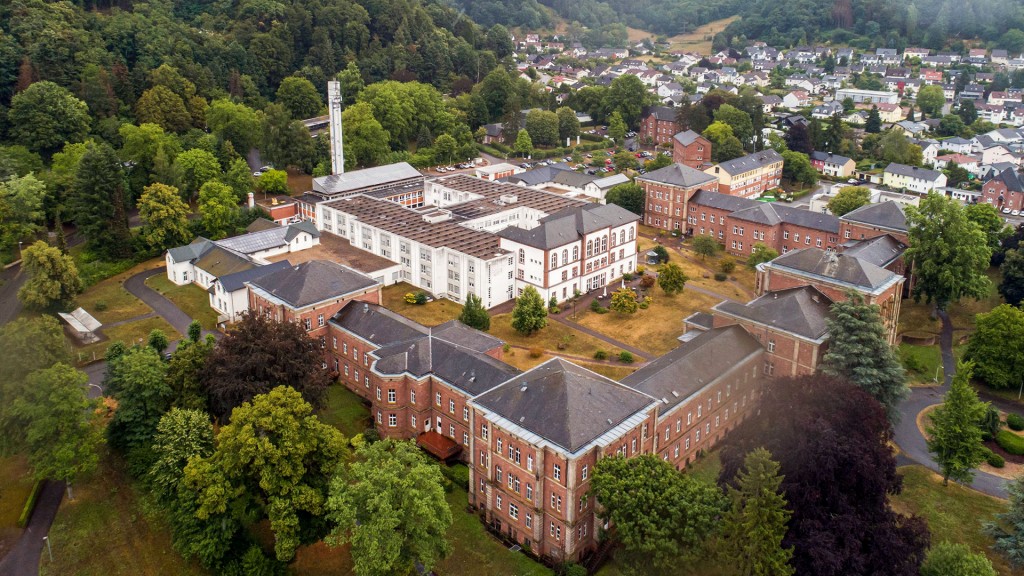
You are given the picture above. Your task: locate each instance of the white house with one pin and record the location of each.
(228, 294)
(912, 178)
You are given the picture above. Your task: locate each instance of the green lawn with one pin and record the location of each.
(475, 551)
(922, 363)
(109, 302)
(192, 299)
(345, 411)
(132, 332)
(430, 314)
(15, 485)
(107, 531)
(953, 513)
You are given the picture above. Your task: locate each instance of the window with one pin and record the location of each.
(551, 532)
(517, 456)
(334, 342)
(451, 406)
(785, 235)
(412, 421)
(771, 345)
(465, 413)
(392, 420)
(529, 491)
(686, 445)
(465, 437)
(412, 396)
(344, 348)
(584, 472)
(320, 320)
(378, 417)
(689, 418)
(558, 472)
(498, 501)
(576, 252)
(529, 462)
(698, 410)
(392, 396)
(500, 444)
(529, 520)
(513, 511)
(483, 431)
(451, 430)
(378, 392)
(666, 432)
(437, 398)
(633, 446)
(497, 470)
(307, 324)
(554, 260)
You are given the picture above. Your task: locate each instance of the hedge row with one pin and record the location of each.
(1010, 442)
(30, 504)
(1015, 422)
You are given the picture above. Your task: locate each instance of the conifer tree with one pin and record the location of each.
(474, 314)
(1008, 528)
(756, 524)
(530, 314)
(955, 429)
(874, 121)
(859, 352)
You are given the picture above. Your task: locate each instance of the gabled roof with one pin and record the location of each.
(569, 224)
(236, 281)
(219, 261)
(888, 215)
(564, 404)
(312, 282)
(269, 238)
(192, 251)
(1011, 178)
(695, 365)
(880, 250)
(913, 172)
(661, 113)
(802, 311)
(842, 268)
(357, 179)
(771, 213)
(750, 162)
(829, 158)
(679, 175)
(687, 137)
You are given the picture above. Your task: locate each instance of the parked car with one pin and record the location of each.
(1015, 213)
(1006, 210)
(266, 168)
(257, 174)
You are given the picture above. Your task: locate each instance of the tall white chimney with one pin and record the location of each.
(252, 200)
(334, 107)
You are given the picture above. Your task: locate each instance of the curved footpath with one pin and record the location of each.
(908, 436)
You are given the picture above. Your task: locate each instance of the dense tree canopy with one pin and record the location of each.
(44, 116)
(53, 280)
(997, 346)
(831, 440)
(954, 434)
(848, 199)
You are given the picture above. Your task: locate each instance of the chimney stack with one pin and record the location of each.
(252, 200)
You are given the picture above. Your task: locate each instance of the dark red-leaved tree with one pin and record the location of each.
(258, 355)
(831, 440)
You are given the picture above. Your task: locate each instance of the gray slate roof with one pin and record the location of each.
(311, 282)
(569, 224)
(888, 215)
(695, 365)
(687, 137)
(192, 251)
(270, 238)
(769, 213)
(912, 171)
(803, 311)
(567, 405)
(219, 261)
(839, 267)
(750, 162)
(1012, 179)
(663, 113)
(559, 173)
(452, 352)
(830, 158)
(678, 175)
(880, 250)
(357, 179)
(236, 281)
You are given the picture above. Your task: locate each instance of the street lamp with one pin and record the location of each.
(19, 249)
(936, 379)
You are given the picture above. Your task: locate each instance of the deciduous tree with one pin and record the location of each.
(239, 178)
(658, 513)
(624, 301)
(630, 196)
(832, 444)
(390, 506)
(761, 253)
(194, 168)
(62, 428)
(542, 127)
(997, 346)
(286, 141)
(949, 559)
(299, 97)
(859, 351)
(627, 95)
(53, 279)
(955, 430)
(797, 167)
(738, 120)
(987, 217)
(474, 314)
(161, 106)
(164, 217)
(529, 314)
(930, 99)
(366, 141)
(22, 213)
(725, 145)
(672, 279)
(258, 355)
(1012, 270)
(273, 182)
(524, 144)
(45, 116)
(755, 525)
(950, 253)
(568, 123)
(235, 122)
(274, 460)
(219, 209)
(705, 245)
(137, 380)
(617, 127)
(180, 436)
(849, 199)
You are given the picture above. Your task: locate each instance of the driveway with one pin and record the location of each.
(136, 285)
(23, 559)
(908, 436)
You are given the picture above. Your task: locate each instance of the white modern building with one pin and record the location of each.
(912, 178)
(867, 96)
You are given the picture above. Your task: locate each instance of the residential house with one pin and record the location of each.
(750, 175)
(832, 165)
(912, 178)
(658, 125)
(691, 149)
(827, 110)
(796, 99)
(873, 220)
(1005, 191)
(667, 192)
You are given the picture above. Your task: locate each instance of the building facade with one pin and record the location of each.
(749, 176)
(658, 125)
(1005, 191)
(691, 149)
(912, 178)
(667, 192)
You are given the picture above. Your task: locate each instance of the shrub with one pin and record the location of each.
(1010, 442)
(371, 435)
(421, 298)
(505, 348)
(600, 355)
(101, 306)
(30, 504)
(572, 569)
(640, 269)
(727, 265)
(595, 305)
(536, 352)
(628, 277)
(409, 298)
(458, 474)
(601, 310)
(995, 460)
(625, 357)
(721, 276)
(1015, 422)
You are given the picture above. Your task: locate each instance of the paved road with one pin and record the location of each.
(11, 281)
(908, 436)
(23, 559)
(136, 285)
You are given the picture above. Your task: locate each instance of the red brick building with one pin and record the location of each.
(749, 176)
(691, 149)
(1005, 190)
(740, 223)
(309, 294)
(667, 191)
(658, 124)
(873, 220)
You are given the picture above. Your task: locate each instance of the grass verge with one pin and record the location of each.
(429, 314)
(15, 486)
(953, 513)
(922, 363)
(576, 343)
(109, 302)
(192, 299)
(107, 531)
(130, 333)
(345, 411)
